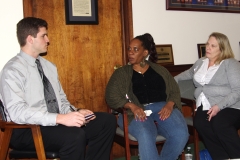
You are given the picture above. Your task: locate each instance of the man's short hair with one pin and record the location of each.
(29, 26)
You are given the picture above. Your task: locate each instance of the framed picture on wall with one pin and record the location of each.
(165, 54)
(81, 12)
(230, 6)
(201, 49)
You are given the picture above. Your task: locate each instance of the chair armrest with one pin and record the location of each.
(4, 124)
(116, 111)
(123, 111)
(7, 128)
(190, 103)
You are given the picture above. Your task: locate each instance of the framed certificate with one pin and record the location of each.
(81, 11)
(165, 54)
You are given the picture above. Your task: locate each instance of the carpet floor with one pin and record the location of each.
(201, 146)
(132, 158)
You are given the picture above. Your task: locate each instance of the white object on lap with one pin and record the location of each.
(148, 112)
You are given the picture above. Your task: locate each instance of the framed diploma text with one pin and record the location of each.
(81, 11)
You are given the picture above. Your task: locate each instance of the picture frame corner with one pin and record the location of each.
(201, 47)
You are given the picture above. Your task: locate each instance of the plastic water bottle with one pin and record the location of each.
(188, 154)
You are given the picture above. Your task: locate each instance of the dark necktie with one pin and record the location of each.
(49, 93)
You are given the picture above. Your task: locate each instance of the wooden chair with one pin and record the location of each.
(5, 136)
(187, 98)
(126, 140)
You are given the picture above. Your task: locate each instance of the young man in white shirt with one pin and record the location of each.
(23, 95)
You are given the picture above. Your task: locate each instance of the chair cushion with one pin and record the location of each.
(30, 154)
(120, 132)
(189, 121)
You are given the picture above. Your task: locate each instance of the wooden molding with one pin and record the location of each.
(176, 69)
(127, 27)
(27, 8)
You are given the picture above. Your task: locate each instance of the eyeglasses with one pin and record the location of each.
(134, 49)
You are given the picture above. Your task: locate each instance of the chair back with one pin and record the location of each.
(187, 89)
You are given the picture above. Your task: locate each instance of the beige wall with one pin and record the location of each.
(10, 13)
(183, 29)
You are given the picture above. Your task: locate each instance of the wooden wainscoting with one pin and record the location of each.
(176, 69)
(84, 54)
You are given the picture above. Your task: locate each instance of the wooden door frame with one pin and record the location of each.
(126, 21)
(127, 27)
(27, 8)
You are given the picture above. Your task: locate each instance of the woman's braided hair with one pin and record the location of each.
(148, 43)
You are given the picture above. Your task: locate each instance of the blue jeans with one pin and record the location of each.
(174, 129)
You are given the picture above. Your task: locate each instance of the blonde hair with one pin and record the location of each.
(224, 46)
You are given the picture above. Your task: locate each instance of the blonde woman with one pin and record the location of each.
(216, 78)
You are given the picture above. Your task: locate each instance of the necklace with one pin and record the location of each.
(140, 70)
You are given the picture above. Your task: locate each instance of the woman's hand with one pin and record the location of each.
(166, 110)
(138, 112)
(213, 111)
